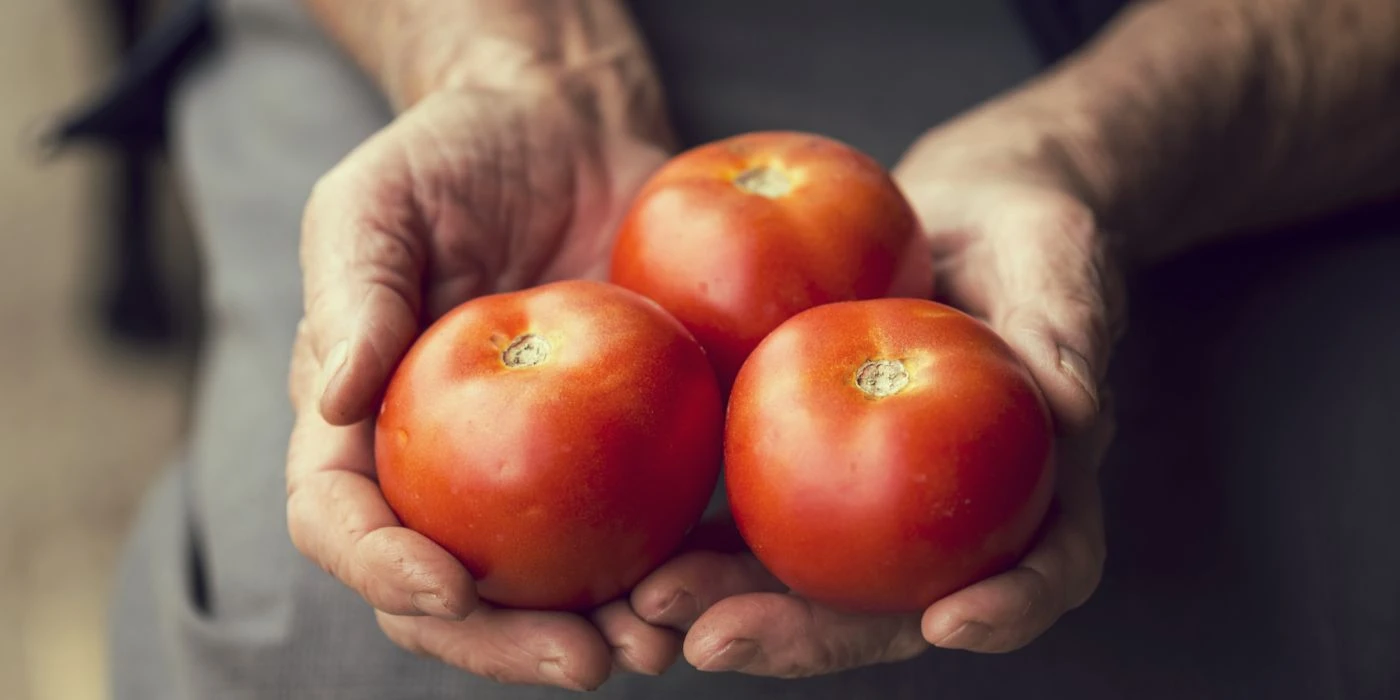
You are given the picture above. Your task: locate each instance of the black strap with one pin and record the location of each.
(130, 108)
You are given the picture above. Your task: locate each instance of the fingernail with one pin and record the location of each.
(969, 635)
(335, 361)
(433, 604)
(737, 654)
(553, 671)
(681, 608)
(1074, 364)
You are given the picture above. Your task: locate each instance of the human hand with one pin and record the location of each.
(1015, 245)
(467, 193)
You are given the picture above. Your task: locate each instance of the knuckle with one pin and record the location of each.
(324, 532)
(1024, 326)
(906, 643)
(629, 658)
(307, 537)
(878, 641)
(491, 669)
(403, 632)
(1080, 321)
(495, 664)
(383, 559)
(800, 664)
(648, 656)
(826, 658)
(655, 662)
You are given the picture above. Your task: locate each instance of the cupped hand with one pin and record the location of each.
(467, 193)
(1016, 246)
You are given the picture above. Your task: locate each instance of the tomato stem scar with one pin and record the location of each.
(764, 181)
(881, 378)
(526, 351)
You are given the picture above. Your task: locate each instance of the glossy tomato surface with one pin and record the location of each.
(882, 454)
(559, 441)
(736, 236)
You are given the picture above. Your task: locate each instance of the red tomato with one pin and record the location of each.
(559, 441)
(735, 237)
(882, 454)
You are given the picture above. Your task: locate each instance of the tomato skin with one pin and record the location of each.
(885, 505)
(560, 484)
(732, 263)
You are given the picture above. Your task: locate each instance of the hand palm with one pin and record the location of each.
(489, 194)
(466, 194)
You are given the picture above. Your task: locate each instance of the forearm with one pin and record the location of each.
(412, 48)
(1189, 119)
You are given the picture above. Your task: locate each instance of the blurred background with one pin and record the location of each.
(97, 291)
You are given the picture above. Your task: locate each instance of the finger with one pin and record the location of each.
(533, 648)
(1008, 611)
(774, 634)
(676, 594)
(338, 518)
(637, 647)
(362, 270)
(1054, 306)
(1033, 263)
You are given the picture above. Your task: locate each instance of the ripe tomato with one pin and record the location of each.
(882, 454)
(735, 237)
(559, 441)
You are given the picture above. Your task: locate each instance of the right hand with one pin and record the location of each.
(467, 193)
(1016, 245)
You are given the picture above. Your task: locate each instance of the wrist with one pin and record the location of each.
(586, 50)
(1164, 124)
(616, 88)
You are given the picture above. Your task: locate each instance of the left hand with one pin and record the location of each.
(1016, 246)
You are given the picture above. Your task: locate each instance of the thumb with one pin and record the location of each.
(362, 294)
(1039, 272)
(1055, 303)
